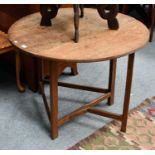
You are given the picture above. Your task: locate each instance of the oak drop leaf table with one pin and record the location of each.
(97, 43)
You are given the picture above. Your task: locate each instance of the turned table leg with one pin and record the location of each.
(127, 91)
(18, 69)
(54, 99)
(112, 78)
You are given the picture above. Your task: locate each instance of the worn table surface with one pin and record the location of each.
(96, 42)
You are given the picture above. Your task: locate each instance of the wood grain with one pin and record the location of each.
(96, 43)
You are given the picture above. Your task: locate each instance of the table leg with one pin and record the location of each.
(112, 77)
(18, 69)
(76, 22)
(127, 91)
(41, 86)
(74, 70)
(54, 99)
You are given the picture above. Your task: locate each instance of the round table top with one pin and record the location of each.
(96, 43)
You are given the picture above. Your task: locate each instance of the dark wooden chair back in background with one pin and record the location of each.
(146, 13)
(6, 47)
(9, 13)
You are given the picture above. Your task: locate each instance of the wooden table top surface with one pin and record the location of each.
(97, 42)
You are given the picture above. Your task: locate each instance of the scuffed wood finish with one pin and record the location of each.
(97, 42)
